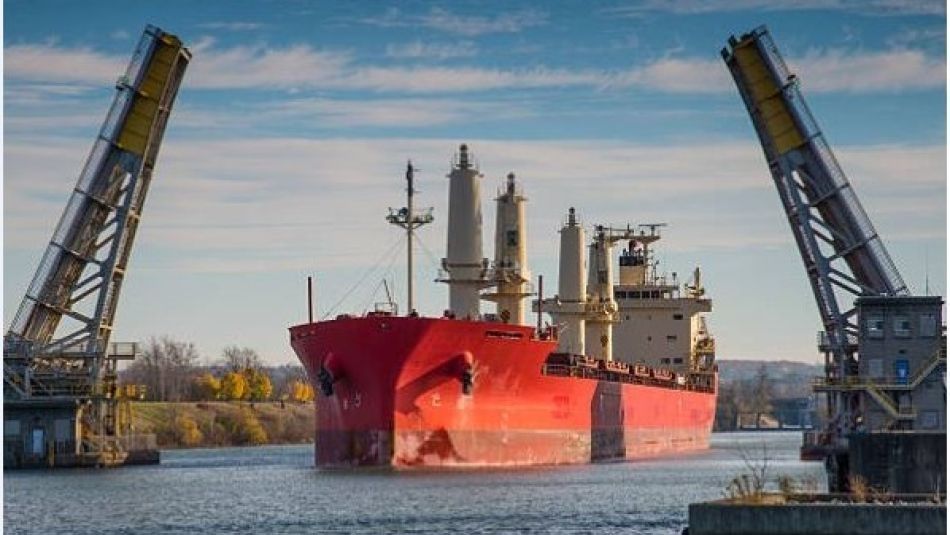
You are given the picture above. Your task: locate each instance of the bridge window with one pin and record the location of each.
(678, 360)
(671, 338)
(620, 295)
(677, 316)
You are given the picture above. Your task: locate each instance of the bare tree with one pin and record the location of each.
(762, 394)
(165, 367)
(283, 378)
(749, 487)
(241, 358)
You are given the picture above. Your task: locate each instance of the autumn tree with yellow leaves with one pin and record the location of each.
(207, 387)
(259, 387)
(233, 386)
(300, 391)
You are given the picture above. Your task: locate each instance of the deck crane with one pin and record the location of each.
(843, 255)
(59, 368)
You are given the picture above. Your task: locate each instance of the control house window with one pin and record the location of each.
(929, 419)
(928, 325)
(875, 327)
(902, 326)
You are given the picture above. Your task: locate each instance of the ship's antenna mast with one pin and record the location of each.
(407, 219)
(645, 240)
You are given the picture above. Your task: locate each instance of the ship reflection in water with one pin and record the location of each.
(276, 490)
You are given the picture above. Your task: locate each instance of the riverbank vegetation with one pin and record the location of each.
(188, 400)
(218, 423)
(169, 370)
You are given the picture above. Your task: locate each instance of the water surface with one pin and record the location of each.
(275, 489)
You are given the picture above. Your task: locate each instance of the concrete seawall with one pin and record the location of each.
(724, 518)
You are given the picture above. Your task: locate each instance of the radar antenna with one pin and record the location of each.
(407, 218)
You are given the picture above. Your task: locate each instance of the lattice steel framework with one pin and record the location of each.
(843, 255)
(80, 275)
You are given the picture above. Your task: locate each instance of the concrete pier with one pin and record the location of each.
(822, 515)
(903, 462)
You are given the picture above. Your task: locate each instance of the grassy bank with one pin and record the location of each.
(220, 423)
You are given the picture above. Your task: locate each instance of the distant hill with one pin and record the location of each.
(789, 378)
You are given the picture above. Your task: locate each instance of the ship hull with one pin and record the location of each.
(399, 398)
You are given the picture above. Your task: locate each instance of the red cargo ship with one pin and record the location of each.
(473, 389)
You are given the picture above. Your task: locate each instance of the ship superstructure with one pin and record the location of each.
(662, 323)
(469, 388)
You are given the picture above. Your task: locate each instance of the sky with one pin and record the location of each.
(292, 129)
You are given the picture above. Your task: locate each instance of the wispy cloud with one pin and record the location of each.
(514, 22)
(42, 94)
(439, 51)
(866, 7)
(283, 196)
(909, 37)
(51, 63)
(819, 71)
(261, 67)
(303, 67)
(403, 113)
(870, 72)
(468, 25)
(675, 75)
(231, 26)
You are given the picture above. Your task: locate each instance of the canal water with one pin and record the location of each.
(275, 489)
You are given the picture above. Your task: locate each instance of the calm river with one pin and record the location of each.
(276, 490)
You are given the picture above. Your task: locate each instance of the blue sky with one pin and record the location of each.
(292, 128)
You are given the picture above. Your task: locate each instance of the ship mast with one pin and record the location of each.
(407, 219)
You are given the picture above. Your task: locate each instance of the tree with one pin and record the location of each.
(762, 394)
(283, 376)
(259, 387)
(207, 387)
(233, 386)
(727, 407)
(241, 358)
(165, 367)
(300, 391)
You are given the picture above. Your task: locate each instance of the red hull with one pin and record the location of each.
(398, 399)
